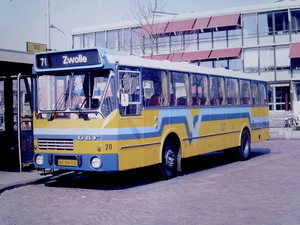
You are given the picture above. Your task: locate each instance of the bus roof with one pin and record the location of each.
(92, 58)
(134, 61)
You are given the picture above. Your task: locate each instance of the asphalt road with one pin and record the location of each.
(213, 189)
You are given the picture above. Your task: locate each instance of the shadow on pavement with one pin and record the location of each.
(144, 176)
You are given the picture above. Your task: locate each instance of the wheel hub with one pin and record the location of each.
(170, 158)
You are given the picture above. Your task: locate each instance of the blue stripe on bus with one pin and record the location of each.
(164, 119)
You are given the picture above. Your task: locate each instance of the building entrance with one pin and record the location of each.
(15, 123)
(279, 97)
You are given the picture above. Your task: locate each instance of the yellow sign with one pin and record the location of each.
(35, 47)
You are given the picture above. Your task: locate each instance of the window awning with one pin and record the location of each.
(225, 53)
(158, 57)
(195, 55)
(157, 28)
(182, 25)
(224, 21)
(201, 23)
(294, 50)
(175, 57)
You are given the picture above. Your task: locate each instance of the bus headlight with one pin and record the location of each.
(96, 163)
(39, 159)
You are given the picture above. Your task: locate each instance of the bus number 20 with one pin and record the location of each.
(108, 147)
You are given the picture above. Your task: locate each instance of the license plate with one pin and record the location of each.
(64, 162)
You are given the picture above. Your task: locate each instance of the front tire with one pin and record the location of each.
(169, 160)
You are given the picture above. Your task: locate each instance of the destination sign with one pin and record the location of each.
(68, 59)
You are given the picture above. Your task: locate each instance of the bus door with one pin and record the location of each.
(24, 120)
(131, 121)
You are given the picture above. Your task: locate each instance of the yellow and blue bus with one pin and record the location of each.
(102, 110)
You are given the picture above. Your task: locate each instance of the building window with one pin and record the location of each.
(295, 19)
(282, 27)
(221, 63)
(266, 56)
(297, 91)
(100, 39)
(251, 60)
(265, 24)
(137, 42)
(265, 28)
(89, 40)
(295, 63)
(249, 30)
(281, 22)
(219, 39)
(163, 45)
(113, 39)
(206, 64)
(191, 41)
(149, 45)
(205, 40)
(282, 59)
(295, 25)
(176, 43)
(234, 38)
(125, 40)
(236, 64)
(78, 41)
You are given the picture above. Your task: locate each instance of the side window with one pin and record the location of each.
(232, 91)
(255, 93)
(262, 90)
(129, 83)
(179, 89)
(245, 90)
(199, 89)
(217, 91)
(154, 88)
(2, 106)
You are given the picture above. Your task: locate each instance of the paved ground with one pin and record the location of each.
(212, 190)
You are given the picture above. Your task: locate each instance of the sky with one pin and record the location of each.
(24, 21)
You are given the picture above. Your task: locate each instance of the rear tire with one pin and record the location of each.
(169, 160)
(244, 150)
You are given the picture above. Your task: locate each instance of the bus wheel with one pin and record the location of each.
(244, 150)
(169, 160)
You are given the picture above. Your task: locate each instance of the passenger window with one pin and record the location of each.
(262, 94)
(255, 93)
(245, 90)
(199, 89)
(179, 94)
(129, 82)
(232, 91)
(217, 90)
(154, 88)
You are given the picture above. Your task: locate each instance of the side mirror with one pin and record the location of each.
(124, 99)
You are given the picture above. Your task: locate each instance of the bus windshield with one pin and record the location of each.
(87, 94)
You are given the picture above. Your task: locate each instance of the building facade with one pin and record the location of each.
(261, 39)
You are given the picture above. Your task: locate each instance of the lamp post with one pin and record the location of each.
(52, 26)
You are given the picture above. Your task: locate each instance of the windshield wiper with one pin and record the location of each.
(64, 96)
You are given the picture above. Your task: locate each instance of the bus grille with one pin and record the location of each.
(56, 144)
